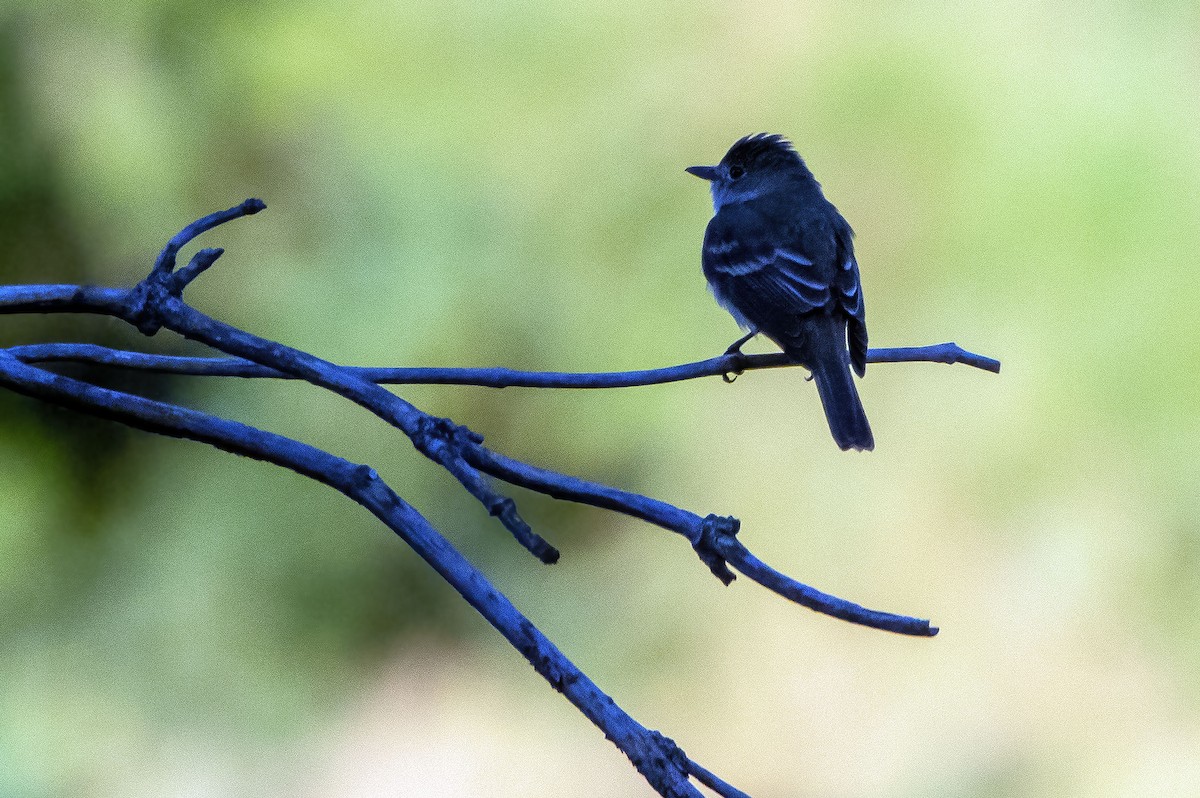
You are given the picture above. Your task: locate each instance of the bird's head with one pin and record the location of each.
(754, 165)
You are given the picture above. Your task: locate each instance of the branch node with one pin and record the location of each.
(431, 429)
(669, 751)
(364, 476)
(445, 442)
(708, 548)
(145, 301)
(501, 505)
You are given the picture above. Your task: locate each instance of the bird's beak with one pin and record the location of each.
(703, 172)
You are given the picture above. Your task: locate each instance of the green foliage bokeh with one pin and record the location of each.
(502, 184)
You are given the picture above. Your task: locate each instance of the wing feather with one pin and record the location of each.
(772, 287)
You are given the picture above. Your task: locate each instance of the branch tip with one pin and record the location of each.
(731, 550)
(196, 266)
(448, 443)
(505, 509)
(948, 353)
(164, 264)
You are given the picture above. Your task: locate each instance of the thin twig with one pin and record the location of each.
(164, 264)
(713, 537)
(484, 377)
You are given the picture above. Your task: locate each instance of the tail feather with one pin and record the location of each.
(843, 408)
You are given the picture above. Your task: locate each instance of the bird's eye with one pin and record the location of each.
(735, 172)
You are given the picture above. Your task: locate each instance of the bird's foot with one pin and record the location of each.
(735, 350)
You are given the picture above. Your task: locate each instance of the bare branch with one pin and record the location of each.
(459, 450)
(735, 363)
(713, 537)
(164, 264)
(462, 452)
(654, 756)
(157, 302)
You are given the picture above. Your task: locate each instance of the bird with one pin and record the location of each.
(780, 258)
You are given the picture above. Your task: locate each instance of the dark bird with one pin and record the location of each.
(780, 258)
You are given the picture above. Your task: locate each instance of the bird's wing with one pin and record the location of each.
(770, 287)
(761, 278)
(847, 286)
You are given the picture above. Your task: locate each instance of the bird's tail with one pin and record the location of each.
(843, 409)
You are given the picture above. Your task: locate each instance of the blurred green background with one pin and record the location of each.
(502, 184)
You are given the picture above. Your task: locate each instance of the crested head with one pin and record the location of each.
(762, 150)
(756, 165)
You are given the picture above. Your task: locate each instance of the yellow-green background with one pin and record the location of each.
(502, 184)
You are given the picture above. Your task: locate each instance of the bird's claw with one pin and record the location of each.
(735, 348)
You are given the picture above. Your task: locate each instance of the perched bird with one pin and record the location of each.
(780, 258)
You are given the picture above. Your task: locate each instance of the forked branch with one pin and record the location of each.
(157, 302)
(656, 757)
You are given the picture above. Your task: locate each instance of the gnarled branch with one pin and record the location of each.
(157, 302)
(657, 758)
